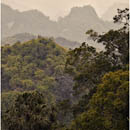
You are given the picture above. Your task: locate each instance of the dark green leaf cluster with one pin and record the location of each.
(30, 111)
(108, 107)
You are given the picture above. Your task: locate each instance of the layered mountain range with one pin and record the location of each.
(71, 27)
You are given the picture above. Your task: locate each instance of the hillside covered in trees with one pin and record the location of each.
(47, 87)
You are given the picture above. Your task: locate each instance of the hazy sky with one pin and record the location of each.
(56, 8)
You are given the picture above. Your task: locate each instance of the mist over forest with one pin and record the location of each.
(69, 74)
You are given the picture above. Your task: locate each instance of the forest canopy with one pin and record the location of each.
(45, 87)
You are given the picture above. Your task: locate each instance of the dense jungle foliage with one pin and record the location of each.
(45, 87)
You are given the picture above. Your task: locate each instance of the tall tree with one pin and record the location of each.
(108, 108)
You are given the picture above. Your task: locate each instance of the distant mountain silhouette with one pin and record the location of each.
(24, 37)
(32, 21)
(66, 43)
(80, 20)
(108, 15)
(72, 27)
(21, 37)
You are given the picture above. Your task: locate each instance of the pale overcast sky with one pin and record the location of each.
(56, 8)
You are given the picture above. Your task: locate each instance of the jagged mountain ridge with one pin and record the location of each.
(31, 21)
(72, 27)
